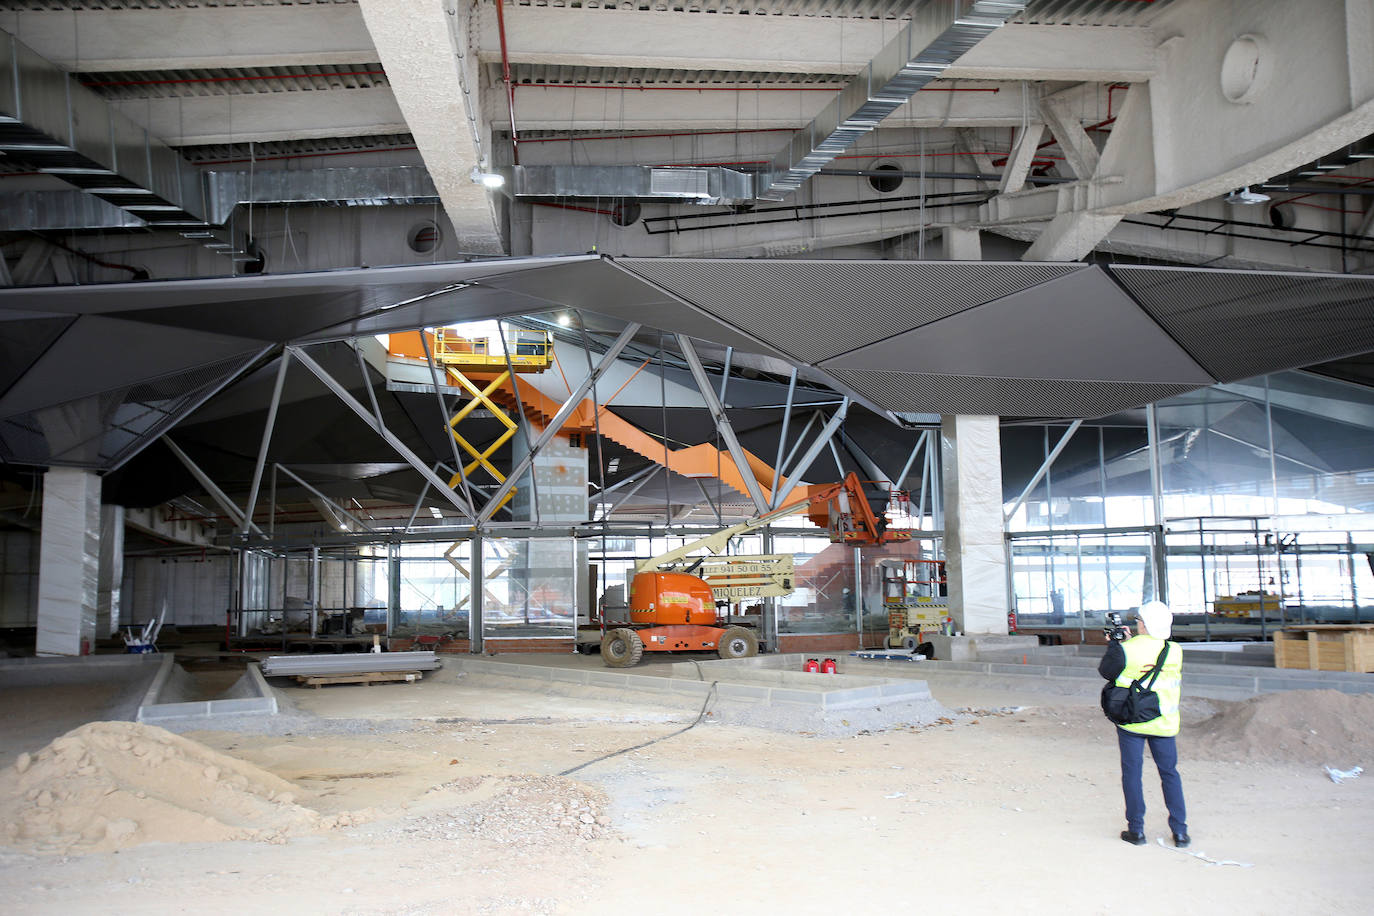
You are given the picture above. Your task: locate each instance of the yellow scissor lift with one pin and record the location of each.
(470, 362)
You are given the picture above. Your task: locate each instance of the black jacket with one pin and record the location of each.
(1113, 661)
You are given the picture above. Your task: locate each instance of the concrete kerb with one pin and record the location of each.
(261, 701)
(759, 681)
(1236, 673)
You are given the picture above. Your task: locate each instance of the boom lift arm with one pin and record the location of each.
(855, 517)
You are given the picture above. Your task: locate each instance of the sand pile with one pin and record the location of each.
(111, 785)
(1305, 726)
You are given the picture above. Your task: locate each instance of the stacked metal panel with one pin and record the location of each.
(359, 663)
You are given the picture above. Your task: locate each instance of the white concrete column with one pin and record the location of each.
(68, 562)
(975, 560)
(963, 244)
(111, 570)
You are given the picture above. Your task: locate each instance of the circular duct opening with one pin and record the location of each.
(885, 183)
(255, 266)
(424, 237)
(1243, 69)
(626, 212)
(1282, 216)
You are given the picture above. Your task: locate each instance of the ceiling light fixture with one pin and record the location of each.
(487, 179)
(1246, 196)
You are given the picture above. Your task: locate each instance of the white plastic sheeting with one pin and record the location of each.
(196, 591)
(975, 558)
(69, 562)
(111, 570)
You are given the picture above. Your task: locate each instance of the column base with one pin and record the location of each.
(966, 648)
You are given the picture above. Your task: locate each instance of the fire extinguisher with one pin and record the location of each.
(811, 666)
(1011, 621)
(828, 667)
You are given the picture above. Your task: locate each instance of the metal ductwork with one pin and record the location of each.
(60, 128)
(708, 185)
(359, 187)
(39, 211)
(61, 211)
(939, 33)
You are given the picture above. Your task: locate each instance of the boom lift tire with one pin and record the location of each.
(621, 648)
(737, 642)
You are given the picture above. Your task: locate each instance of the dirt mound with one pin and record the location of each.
(112, 785)
(1305, 726)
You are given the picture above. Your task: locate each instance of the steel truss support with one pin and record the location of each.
(782, 436)
(1043, 469)
(911, 459)
(865, 460)
(328, 499)
(235, 514)
(723, 426)
(380, 429)
(556, 422)
(809, 457)
(639, 479)
(271, 423)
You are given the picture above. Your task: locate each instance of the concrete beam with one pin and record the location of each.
(169, 524)
(604, 37)
(1312, 93)
(629, 109)
(434, 78)
(267, 116)
(170, 39)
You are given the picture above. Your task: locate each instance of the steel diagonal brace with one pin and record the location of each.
(557, 420)
(401, 448)
(723, 424)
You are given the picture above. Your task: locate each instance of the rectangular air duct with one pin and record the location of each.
(939, 33)
(60, 128)
(708, 185)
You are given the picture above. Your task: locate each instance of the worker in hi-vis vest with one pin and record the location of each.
(1125, 661)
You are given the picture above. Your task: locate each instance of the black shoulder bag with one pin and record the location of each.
(1136, 703)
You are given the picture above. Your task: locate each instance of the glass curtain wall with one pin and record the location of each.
(1253, 506)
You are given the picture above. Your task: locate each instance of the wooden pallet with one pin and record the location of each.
(1325, 647)
(376, 677)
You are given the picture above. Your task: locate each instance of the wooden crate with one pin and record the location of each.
(1325, 647)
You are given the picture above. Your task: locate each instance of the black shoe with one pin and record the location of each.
(1135, 839)
(1181, 840)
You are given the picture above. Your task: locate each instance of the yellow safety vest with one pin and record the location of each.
(1141, 653)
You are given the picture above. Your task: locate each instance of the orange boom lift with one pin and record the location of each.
(672, 608)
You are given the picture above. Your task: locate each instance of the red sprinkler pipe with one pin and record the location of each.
(510, 87)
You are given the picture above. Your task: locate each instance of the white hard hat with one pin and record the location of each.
(1157, 617)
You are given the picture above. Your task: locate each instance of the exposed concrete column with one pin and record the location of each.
(69, 562)
(111, 570)
(963, 244)
(975, 559)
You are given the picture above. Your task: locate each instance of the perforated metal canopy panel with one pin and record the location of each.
(910, 392)
(815, 310)
(102, 430)
(1239, 324)
(1080, 326)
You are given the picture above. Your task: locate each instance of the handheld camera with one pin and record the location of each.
(1115, 629)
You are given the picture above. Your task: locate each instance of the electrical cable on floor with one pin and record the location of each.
(700, 715)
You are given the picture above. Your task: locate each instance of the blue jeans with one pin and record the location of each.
(1165, 754)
